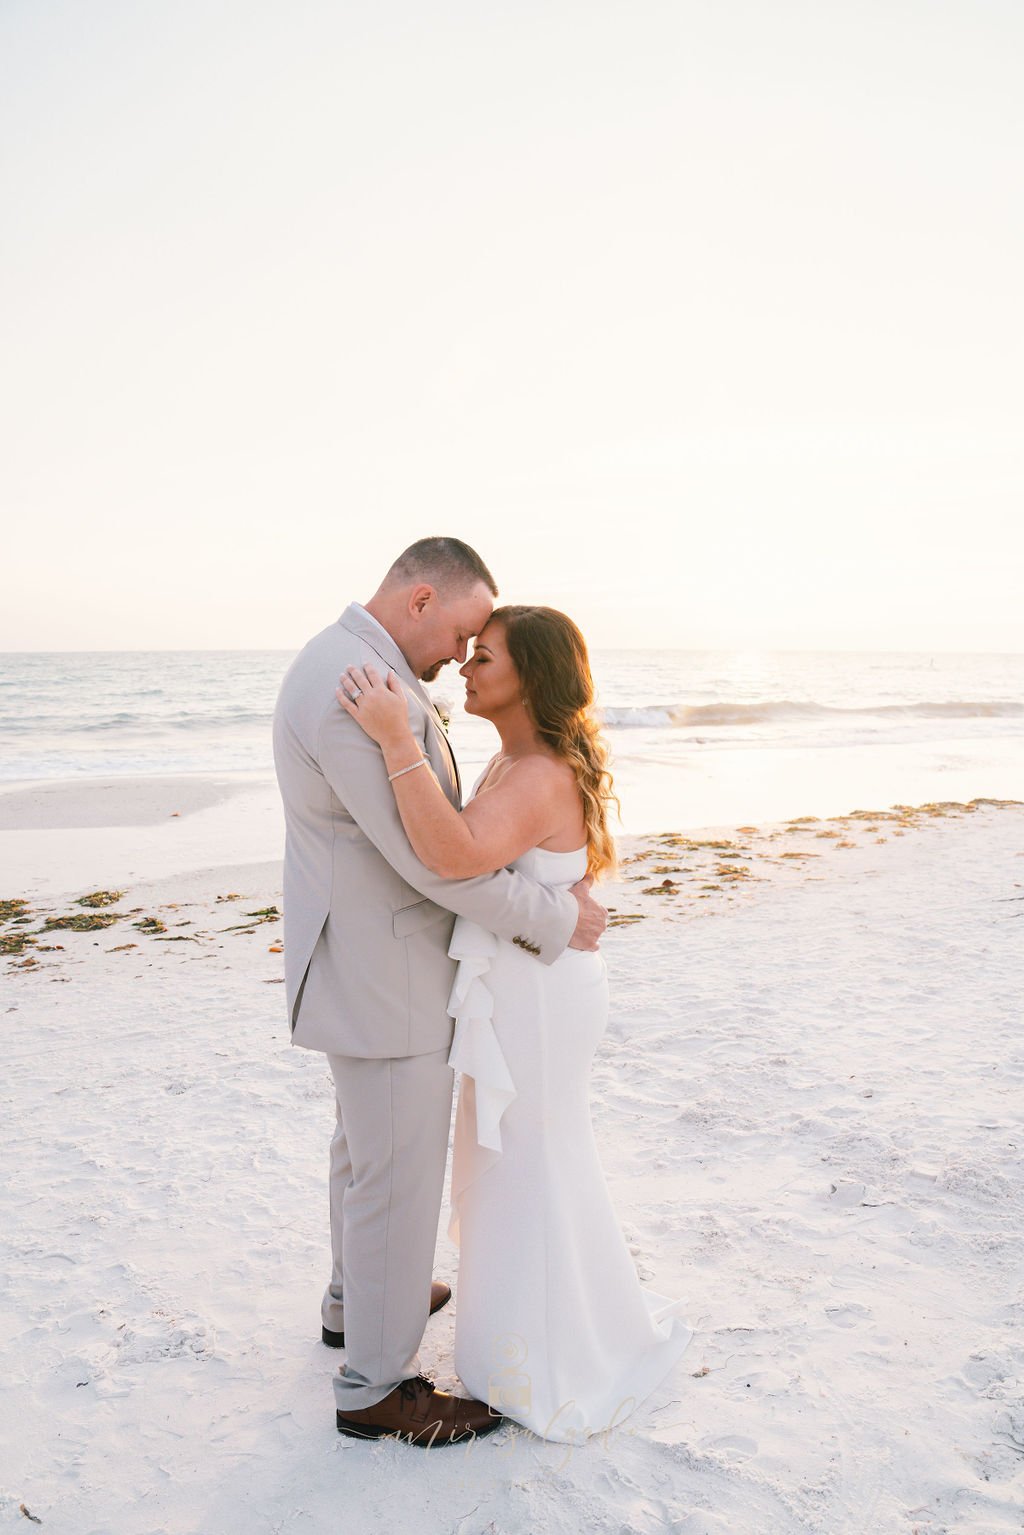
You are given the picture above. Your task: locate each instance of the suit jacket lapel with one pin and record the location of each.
(442, 734)
(381, 642)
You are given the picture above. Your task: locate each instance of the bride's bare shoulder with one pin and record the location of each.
(543, 770)
(538, 773)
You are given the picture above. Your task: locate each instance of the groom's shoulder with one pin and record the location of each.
(326, 648)
(310, 680)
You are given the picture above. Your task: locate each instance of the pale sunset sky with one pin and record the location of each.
(702, 322)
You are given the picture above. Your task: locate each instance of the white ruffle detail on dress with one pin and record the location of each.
(486, 1083)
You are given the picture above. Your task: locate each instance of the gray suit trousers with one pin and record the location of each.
(387, 1175)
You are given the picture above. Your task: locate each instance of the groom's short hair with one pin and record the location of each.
(450, 566)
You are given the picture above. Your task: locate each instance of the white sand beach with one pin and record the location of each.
(810, 1109)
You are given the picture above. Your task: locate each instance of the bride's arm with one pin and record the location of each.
(493, 829)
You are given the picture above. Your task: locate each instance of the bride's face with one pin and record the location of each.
(492, 684)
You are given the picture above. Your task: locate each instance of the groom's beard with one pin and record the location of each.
(434, 671)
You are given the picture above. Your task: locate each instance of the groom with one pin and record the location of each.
(368, 977)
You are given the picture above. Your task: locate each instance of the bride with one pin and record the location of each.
(552, 1328)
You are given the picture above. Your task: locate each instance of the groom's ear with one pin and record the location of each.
(419, 597)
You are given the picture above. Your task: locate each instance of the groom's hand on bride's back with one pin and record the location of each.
(593, 918)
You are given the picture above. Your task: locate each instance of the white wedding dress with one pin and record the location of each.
(552, 1325)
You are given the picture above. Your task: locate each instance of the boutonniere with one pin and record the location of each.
(444, 712)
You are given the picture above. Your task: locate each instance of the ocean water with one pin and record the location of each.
(698, 738)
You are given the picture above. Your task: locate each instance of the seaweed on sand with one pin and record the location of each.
(16, 943)
(81, 922)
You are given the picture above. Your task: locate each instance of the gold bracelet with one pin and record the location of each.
(410, 769)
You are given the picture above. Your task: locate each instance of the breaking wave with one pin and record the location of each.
(674, 716)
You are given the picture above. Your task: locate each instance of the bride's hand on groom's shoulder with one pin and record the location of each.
(376, 704)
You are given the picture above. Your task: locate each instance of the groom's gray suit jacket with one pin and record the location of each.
(366, 925)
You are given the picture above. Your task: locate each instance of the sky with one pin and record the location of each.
(700, 321)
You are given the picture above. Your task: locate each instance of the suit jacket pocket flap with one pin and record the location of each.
(409, 919)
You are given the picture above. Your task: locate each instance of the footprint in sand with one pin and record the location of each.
(846, 1192)
(990, 1374)
(736, 1446)
(160, 1336)
(849, 1314)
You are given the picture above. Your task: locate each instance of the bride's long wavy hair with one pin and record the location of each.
(550, 657)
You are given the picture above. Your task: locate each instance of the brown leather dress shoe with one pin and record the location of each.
(440, 1295)
(417, 1412)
